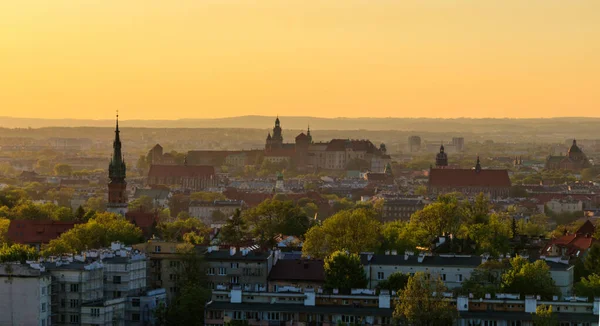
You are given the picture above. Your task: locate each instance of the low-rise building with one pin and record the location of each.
(205, 210)
(565, 205)
(452, 269)
(296, 274)
(401, 208)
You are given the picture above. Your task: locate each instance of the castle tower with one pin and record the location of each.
(117, 187)
(277, 137)
(441, 159)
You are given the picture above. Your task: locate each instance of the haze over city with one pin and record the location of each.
(351, 58)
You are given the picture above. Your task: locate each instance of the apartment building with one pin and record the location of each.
(24, 294)
(124, 272)
(452, 269)
(364, 306)
(248, 268)
(162, 266)
(204, 210)
(74, 282)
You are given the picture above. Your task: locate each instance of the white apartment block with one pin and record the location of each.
(24, 295)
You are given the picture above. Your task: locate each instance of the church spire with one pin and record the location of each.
(478, 165)
(117, 169)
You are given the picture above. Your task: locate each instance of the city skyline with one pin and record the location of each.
(157, 60)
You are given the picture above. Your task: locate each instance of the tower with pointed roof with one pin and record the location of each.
(441, 159)
(275, 139)
(117, 170)
(478, 165)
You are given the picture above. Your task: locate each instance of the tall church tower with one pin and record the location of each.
(117, 187)
(441, 159)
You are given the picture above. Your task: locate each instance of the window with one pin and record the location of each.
(43, 322)
(44, 307)
(210, 271)
(235, 265)
(74, 319)
(74, 287)
(237, 315)
(235, 279)
(273, 315)
(135, 302)
(380, 276)
(222, 270)
(43, 290)
(135, 317)
(444, 277)
(347, 319)
(95, 312)
(62, 318)
(116, 279)
(74, 303)
(63, 303)
(157, 248)
(116, 294)
(459, 277)
(174, 264)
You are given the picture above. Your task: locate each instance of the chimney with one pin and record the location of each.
(384, 299)
(462, 303)
(232, 251)
(394, 252)
(421, 257)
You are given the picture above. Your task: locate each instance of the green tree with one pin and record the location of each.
(272, 218)
(538, 225)
(544, 316)
(4, 224)
(175, 230)
(142, 203)
(235, 231)
(218, 217)
(395, 282)
(529, 278)
(187, 307)
(63, 170)
(486, 278)
(422, 303)
(354, 230)
(17, 253)
(344, 271)
(588, 287)
(436, 219)
(421, 190)
(207, 196)
(399, 236)
(592, 260)
(98, 232)
(96, 204)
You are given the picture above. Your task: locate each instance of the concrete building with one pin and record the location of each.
(246, 268)
(400, 208)
(124, 274)
(452, 269)
(565, 205)
(204, 210)
(104, 313)
(363, 306)
(24, 295)
(162, 264)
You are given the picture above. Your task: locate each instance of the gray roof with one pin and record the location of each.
(224, 255)
(439, 261)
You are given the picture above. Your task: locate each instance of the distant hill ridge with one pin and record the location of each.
(301, 123)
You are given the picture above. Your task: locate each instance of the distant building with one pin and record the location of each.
(458, 143)
(575, 160)
(401, 208)
(156, 156)
(193, 177)
(414, 144)
(565, 205)
(494, 183)
(441, 159)
(204, 210)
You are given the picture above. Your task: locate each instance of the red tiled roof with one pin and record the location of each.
(144, 220)
(181, 171)
(36, 231)
(468, 178)
(586, 228)
(298, 270)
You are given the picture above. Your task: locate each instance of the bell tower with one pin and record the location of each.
(117, 186)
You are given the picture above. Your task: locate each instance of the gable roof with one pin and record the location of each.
(181, 171)
(37, 231)
(468, 178)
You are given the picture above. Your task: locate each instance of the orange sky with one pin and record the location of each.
(213, 58)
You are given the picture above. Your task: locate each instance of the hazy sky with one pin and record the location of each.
(216, 58)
